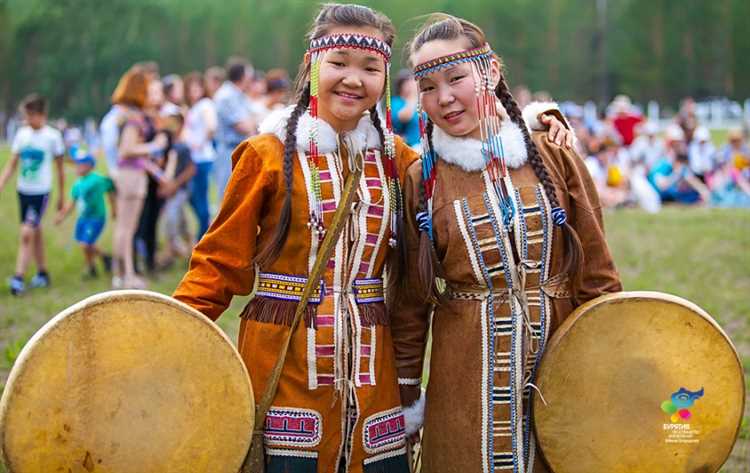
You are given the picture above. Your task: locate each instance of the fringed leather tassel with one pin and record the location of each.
(372, 314)
(277, 311)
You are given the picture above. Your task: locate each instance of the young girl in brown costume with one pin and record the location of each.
(511, 221)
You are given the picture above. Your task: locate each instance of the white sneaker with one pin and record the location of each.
(134, 282)
(116, 282)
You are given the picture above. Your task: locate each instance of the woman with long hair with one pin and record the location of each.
(511, 222)
(137, 145)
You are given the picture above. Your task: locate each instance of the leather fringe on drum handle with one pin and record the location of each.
(277, 311)
(373, 314)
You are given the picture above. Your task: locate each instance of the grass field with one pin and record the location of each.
(700, 254)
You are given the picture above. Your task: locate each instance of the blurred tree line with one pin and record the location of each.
(73, 51)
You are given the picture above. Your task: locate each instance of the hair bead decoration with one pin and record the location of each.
(559, 216)
(424, 223)
(315, 52)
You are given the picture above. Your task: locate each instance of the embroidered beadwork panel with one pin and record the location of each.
(510, 358)
(349, 278)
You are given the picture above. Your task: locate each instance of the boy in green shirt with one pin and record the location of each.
(88, 197)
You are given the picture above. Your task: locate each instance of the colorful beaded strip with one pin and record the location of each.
(426, 68)
(367, 291)
(285, 287)
(357, 41)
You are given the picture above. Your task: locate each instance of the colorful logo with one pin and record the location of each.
(677, 406)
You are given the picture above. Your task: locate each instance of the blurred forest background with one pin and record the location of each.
(73, 51)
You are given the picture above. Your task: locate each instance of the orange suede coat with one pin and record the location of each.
(485, 345)
(338, 400)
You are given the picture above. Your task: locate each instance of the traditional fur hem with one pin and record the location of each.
(414, 415)
(363, 136)
(532, 111)
(466, 153)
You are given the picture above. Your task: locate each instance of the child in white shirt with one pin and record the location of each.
(36, 147)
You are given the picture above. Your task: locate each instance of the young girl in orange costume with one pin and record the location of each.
(512, 222)
(337, 407)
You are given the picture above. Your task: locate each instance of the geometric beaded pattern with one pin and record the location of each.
(384, 431)
(284, 287)
(510, 439)
(354, 41)
(449, 60)
(293, 427)
(367, 291)
(366, 229)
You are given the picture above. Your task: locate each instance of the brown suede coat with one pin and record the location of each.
(480, 359)
(342, 358)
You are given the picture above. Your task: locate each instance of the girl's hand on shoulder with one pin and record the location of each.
(557, 132)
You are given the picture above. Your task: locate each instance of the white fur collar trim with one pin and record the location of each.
(363, 136)
(466, 153)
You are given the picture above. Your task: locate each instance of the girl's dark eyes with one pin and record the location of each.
(457, 78)
(337, 63)
(372, 69)
(426, 88)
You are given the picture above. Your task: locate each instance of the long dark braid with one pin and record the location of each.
(271, 251)
(573, 258)
(428, 265)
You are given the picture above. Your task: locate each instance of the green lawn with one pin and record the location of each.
(700, 254)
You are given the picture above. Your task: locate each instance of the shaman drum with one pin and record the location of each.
(638, 382)
(127, 381)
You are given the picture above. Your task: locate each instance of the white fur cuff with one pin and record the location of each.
(414, 415)
(532, 111)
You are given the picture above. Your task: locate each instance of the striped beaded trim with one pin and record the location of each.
(355, 41)
(285, 287)
(429, 67)
(367, 291)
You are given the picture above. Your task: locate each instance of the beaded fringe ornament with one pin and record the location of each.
(490, 123)
(316, 51)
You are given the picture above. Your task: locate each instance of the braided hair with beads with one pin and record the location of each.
(480, 57)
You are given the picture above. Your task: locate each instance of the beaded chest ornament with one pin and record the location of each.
(315, 53)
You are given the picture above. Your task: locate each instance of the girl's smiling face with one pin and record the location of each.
(448, 96)
(351, 81)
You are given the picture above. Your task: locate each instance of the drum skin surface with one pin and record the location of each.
(638, 382)
(127, 382)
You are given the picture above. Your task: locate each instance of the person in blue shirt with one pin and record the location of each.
(88, 197)
(404, 108)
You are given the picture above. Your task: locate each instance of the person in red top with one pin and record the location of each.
(625, 119)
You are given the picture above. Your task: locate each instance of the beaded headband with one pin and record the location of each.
(314, 55)
(353, 41)
(476, 54)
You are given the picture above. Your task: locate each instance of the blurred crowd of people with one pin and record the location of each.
(637, 162)
(634, 161)
(180, 142)
(167, 141)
